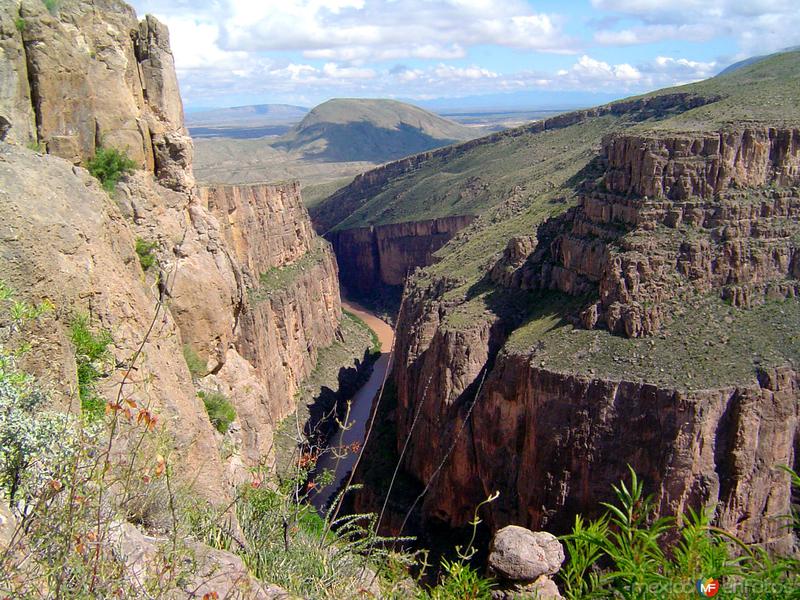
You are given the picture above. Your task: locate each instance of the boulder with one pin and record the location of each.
(519, 554)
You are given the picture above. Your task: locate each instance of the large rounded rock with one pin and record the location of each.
(520, 554)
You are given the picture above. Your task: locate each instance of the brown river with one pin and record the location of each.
(360, 406)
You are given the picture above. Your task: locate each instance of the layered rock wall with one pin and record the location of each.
(88, 75)
(385, 254)
(690, 212)
(668, 220)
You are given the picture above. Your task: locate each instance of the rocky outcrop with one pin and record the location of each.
(384, 255)
(483, 416)
(90, 75)
(670, 215)
(554, 443)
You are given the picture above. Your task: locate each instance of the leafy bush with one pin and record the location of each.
(35, 446)
(144, 250)
(91, 355)
(624, 555)
(220, 411)
(108, 165)
(196, 365)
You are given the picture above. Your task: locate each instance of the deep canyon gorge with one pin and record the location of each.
(609, 289)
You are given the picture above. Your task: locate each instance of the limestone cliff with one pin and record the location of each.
(578, 353)
(384, 255)
(92, 75)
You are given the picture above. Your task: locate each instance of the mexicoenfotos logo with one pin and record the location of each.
(707, 588)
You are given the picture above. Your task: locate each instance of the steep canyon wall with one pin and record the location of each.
(670, 219)
(90, 75)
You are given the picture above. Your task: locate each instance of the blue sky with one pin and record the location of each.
(236, 52)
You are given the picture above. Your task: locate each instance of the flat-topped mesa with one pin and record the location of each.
(91, 75)
(703, 213)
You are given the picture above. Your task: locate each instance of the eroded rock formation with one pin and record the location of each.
(384, 255)
(92, 75)
(669, 219)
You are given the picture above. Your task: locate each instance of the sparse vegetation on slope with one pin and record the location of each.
(350, 129)
(109, 165)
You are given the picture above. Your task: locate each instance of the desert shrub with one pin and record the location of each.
(92, 357)
(220, 411)
(35, 445)
(626, 554)
(108, 165)
(144, 251)
(195, 364)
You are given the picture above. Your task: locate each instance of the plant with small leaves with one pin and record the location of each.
(144, 250)
(108, 165)
(220, 411)
(92, 357)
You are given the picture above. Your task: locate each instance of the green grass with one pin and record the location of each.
(108, 165)
(20, 24)
(91, 357)
(705, 344)
(144, 251)
(278, 279)
(314, 193)
(220, 411)
(196, 365)
(52, 6)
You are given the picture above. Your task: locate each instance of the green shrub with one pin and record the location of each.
(91, 355)
(36, 146)
(460, 582)
(220, 411)
(196, 365)
(627, 554)
(51, 5)
(20, 24)
(144, 250)
(108, 165)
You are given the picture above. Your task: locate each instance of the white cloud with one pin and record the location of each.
(757, 25)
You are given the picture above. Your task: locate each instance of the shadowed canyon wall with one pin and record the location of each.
(240, 278)
(384, 255)
(670, 219)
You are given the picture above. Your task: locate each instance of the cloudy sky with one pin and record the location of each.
(236, 52)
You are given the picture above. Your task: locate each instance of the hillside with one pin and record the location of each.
(247, 116)
(349, 129)
(626, 294)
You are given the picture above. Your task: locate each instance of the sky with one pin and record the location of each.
(302, 52)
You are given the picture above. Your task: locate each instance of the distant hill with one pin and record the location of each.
(346, 129)
(751, 61)
(472, 178)
(249, 116)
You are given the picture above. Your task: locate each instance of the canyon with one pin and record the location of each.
(638, 312)
(240, 279)
(610, 289)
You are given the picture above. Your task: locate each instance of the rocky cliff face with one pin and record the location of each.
(370, 257)
(669, 220)
(666, 217)
(240, 277)
(91, 75)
